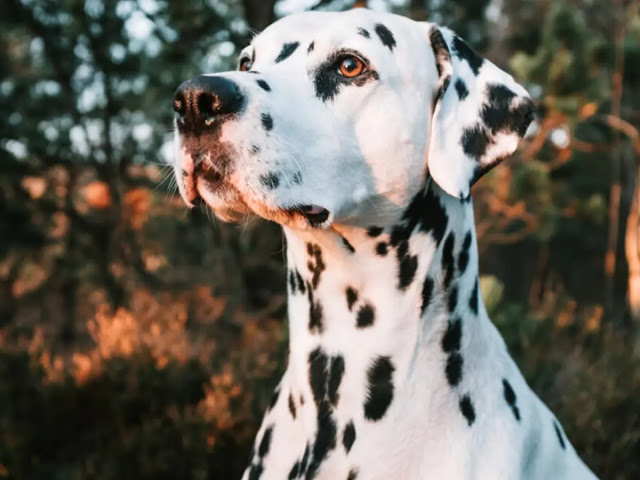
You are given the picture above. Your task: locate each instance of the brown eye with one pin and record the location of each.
(351, 67)
(245, 64)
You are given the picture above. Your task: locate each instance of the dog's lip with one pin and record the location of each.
(316, 215)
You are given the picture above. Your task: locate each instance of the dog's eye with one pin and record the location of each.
(245, 64)
(351, 67)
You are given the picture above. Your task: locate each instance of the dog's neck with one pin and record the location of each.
(397, 294)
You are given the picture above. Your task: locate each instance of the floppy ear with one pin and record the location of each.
(480, 114)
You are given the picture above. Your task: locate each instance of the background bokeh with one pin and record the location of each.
(142, 340)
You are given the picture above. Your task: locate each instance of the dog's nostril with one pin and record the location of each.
(178, 105)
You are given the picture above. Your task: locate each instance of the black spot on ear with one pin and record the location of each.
(442, 57)
(311, 47)
(475, 141)
(473, 300)
(452, 301)
(374, 231)
(385, 36)
(270, 180)
(408, 267)
(364, 33)
(453, 368)
(466, 407)
(349, 247)
(353, 474)
(352, 297)
(510, 397)
(380, 388)
(448, 265)
(349, 436)
(265, 443)
(335, 378)
(558, 430)
(461, 89)
(287, 50)
(499, 114)
(463, 258)
(427, 291)
(366, 316)
(452, 336)
(382, 249)
(465, 52)
(264, 85)
(267, 121)
(292, 406)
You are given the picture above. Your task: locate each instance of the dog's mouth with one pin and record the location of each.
(314, 214)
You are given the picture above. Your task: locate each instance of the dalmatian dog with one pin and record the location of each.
(361, 133)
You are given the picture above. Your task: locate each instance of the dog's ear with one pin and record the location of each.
(479, 114)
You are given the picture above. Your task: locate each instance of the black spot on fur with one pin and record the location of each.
(448, 265)
(267, 121)
(349, 436)
(311, 47)
(386, 37)
(256, 472)
(264, 85)
(426, 211)
(427, 291)
(295, 470)
(465, 52)
(305, 459)
(335, 378)
(558, 430)
(318, 374)
(466, 407)
(292, 406)
(349, 247)
(366, 316)
(461, 89)
(297, 178)
(271, 180)
(353, 474)
(452, 336)
(316, 263)
(374, 231)
(510, 397)
(364, 32)
(452, 301)
(475, 141)
(453, 368)
(255, 149)
(408, 267)
(265, 443)
(473, 300)
(352, 297)
(315, 312)
(382, 249)
(463, 258)
(380, 388)
(287, 50)
(325, 440)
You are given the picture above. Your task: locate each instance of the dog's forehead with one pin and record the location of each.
(382, 29)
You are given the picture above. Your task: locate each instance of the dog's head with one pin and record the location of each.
(338, 117)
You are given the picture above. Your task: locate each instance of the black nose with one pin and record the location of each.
(202, 102)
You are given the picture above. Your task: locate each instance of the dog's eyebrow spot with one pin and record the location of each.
(287, 50)
(264, 85)
(465, 52)
(364, 32)
(311, 47)
(385, 36)
(461, 88)
(271, 180)
(267, 121)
